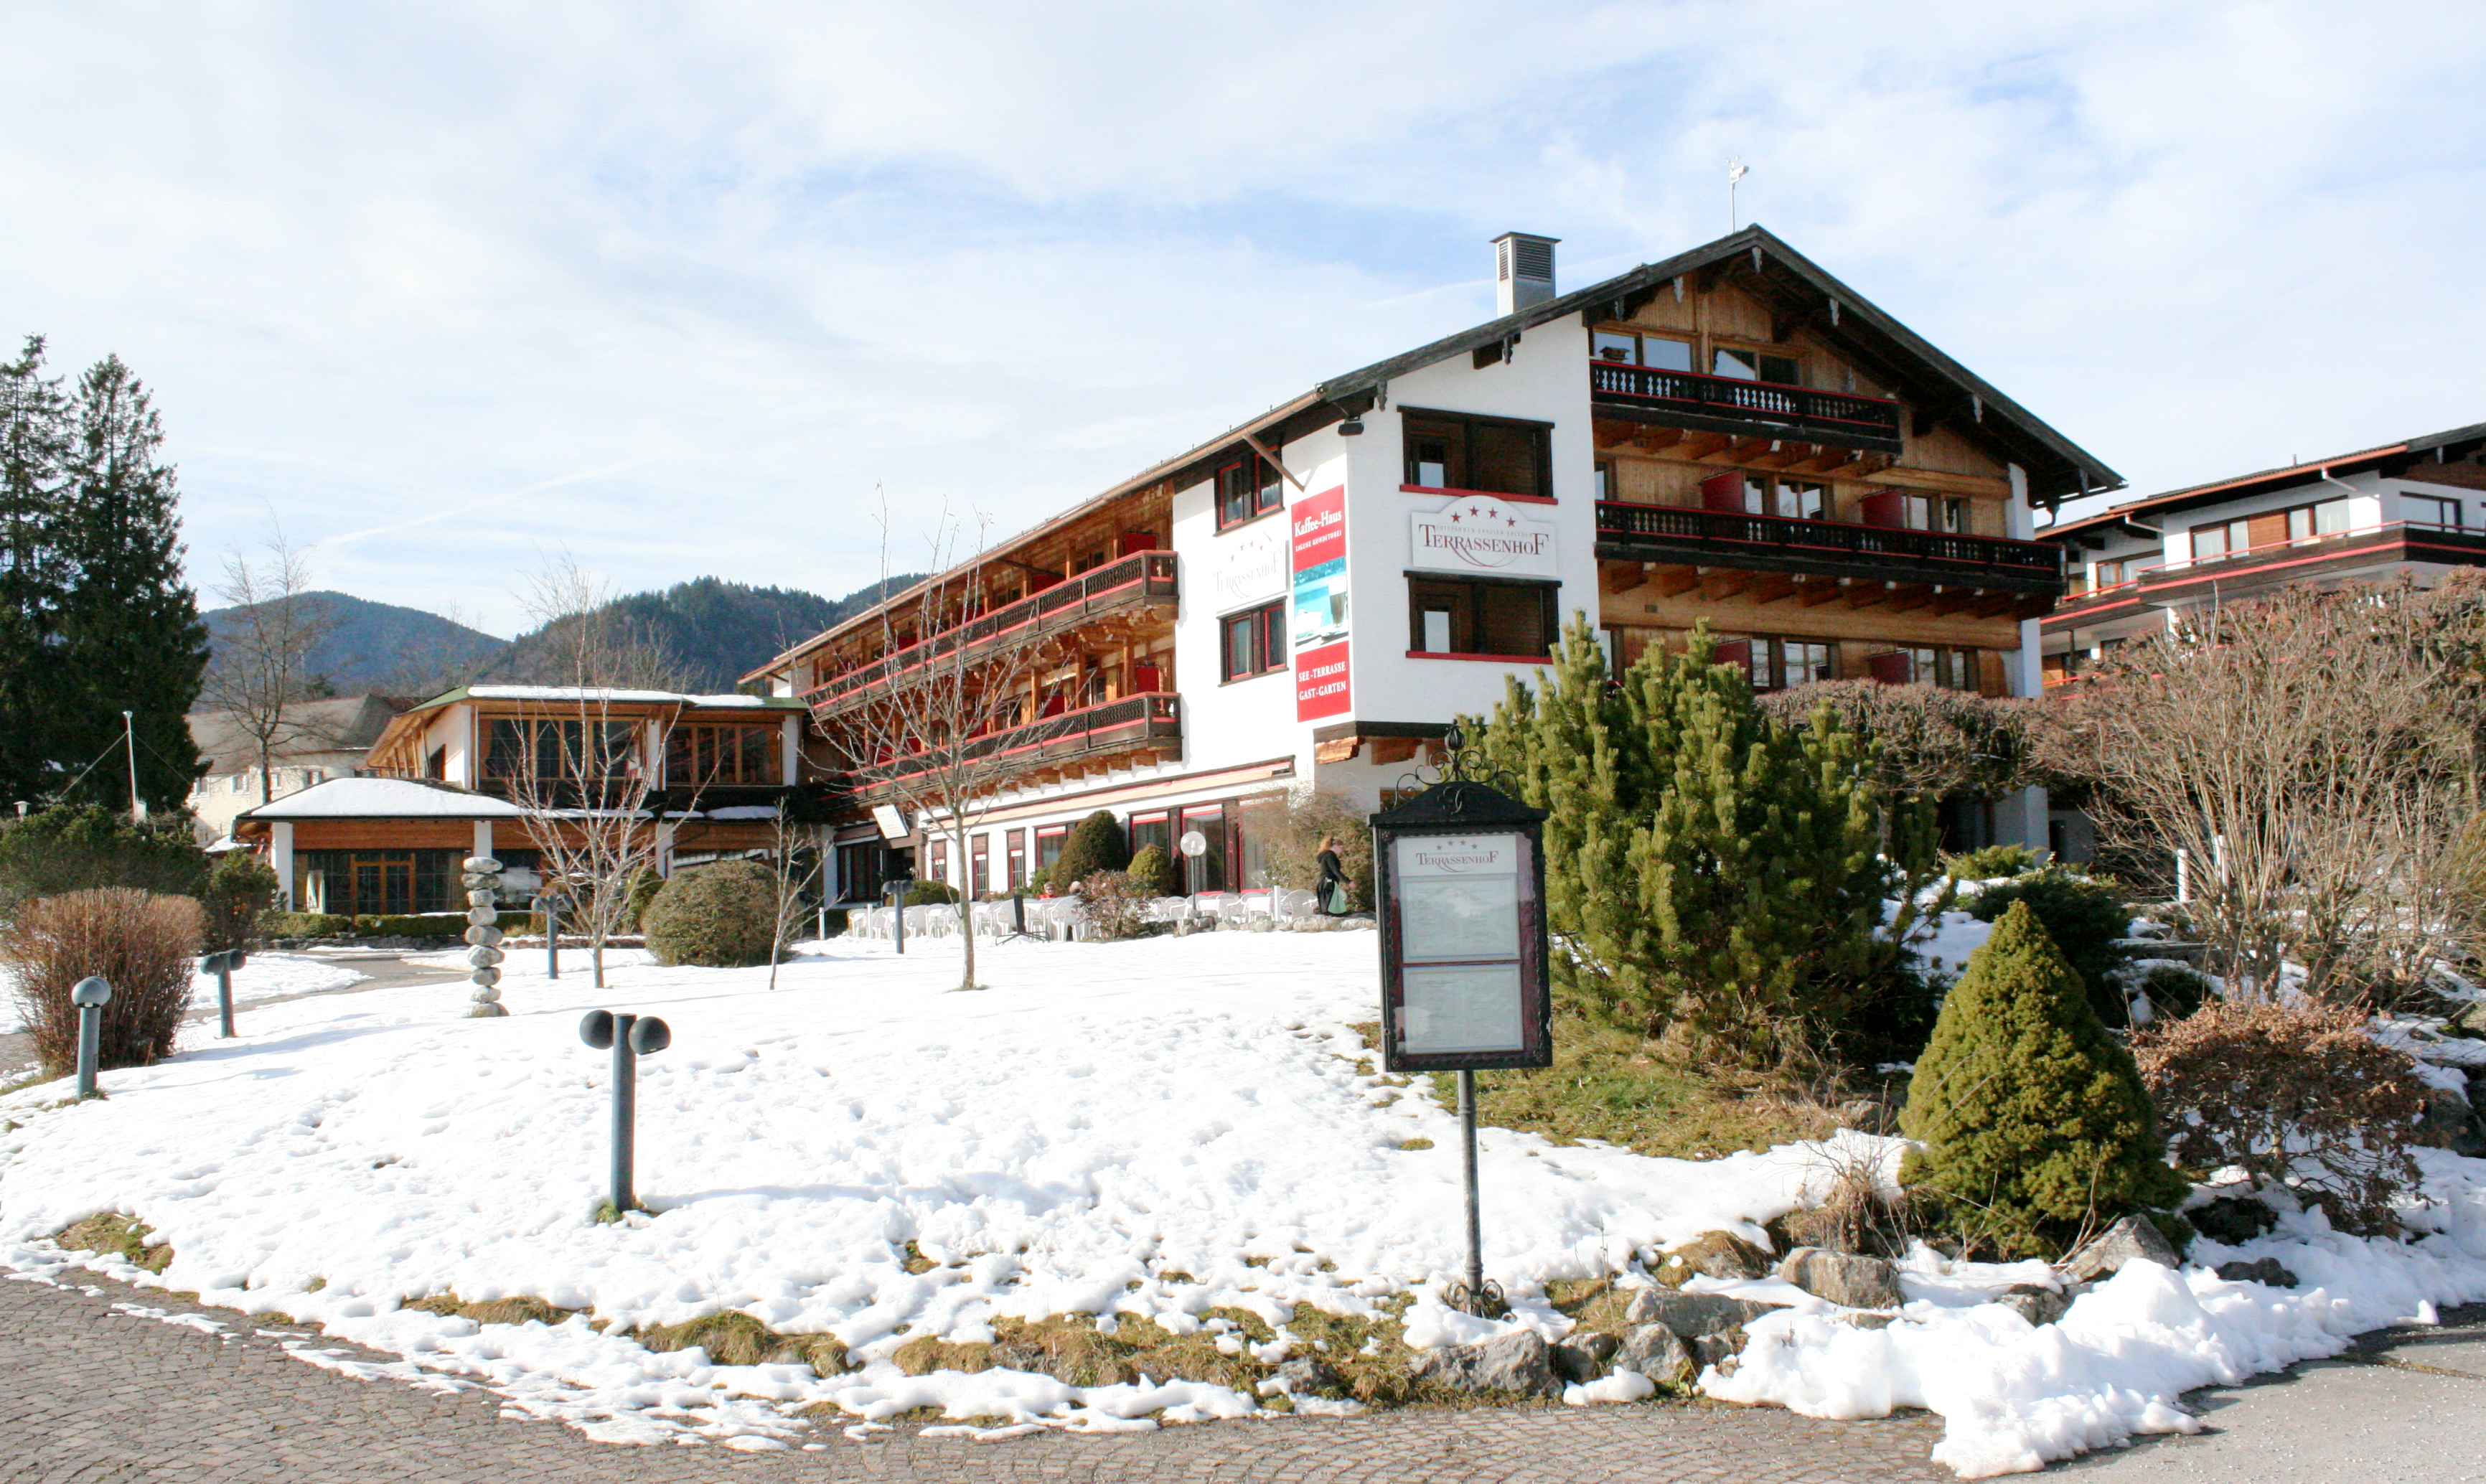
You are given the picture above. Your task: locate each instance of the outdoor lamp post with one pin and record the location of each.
(91, 995)
(1460, 882)
(222, 964)
(629, 1037)
(898, 887)
(550, 906)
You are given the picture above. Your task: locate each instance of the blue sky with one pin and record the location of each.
(445, 286)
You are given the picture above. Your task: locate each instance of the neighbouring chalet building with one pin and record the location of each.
(2409, 510)
(316, 741)
(1730, 435)
(448, 779)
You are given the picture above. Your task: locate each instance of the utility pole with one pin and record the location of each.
(129, 744)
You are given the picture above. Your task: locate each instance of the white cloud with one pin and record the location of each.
(676, 289)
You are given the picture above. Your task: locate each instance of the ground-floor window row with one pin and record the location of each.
(394, 883)
(1232, 856)
(1776, 662)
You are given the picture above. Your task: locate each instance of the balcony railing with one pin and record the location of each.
(1144, 577)
(1735, 399)
(1113, 726)
(2359, 541)
(1725, 533)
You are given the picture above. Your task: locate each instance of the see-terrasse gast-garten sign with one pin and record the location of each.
(1481, 534)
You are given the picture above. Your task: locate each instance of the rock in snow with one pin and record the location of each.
(1693, 1315)
(1715, 1254)
(1843, 1277)
(1519, 1363)
(2037, 1305)
(1656, 1352)
(2266, 1270)
(2133, 1237)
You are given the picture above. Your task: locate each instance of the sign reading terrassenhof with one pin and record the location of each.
(1481, 534)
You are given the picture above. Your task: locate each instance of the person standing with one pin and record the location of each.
(1333, 895)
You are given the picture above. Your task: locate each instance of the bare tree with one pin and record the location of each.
(263, 660)
(582, 637)
(436, 662)
(788, 879)
(582, 771)
(2303, 750)
(941, 731)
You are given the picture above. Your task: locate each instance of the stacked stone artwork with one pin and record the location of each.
(484, 933)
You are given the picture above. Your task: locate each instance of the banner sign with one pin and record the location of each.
(1318, 641)
(1479, 534)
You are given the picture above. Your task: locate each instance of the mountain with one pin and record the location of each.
(709, 631)
(382, 647)
(705, 635)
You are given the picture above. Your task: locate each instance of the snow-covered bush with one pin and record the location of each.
(141, 945)
(2034, 1120)
(2292, 1093)
(720, 916)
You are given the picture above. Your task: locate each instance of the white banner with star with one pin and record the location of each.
(1481, 534)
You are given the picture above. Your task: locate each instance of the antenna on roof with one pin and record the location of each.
(1735, 172)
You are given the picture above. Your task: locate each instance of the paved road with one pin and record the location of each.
(91, 1393)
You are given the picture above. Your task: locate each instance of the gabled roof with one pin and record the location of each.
(1801, 294)
(1795, 287)
(2398, 459)
(346, 723)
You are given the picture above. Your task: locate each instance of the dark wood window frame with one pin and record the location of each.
(1479, 622)
(1457, 471)
(1262, 631)
(1245, 489)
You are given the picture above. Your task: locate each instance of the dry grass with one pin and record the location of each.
(112, 1232)
(522, 1309)
(141, 943)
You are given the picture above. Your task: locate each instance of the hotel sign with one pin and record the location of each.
(1481, 534)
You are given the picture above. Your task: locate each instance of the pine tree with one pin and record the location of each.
(2035, 1119)
(129, 624)
(33, 445)
(1710, 871)
(1096, 844)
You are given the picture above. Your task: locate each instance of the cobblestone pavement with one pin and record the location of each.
(89, 1393)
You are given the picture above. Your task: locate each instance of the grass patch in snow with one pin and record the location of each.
(1608, 1082)
(521, 1308)
(111, 1231)
(735, 1338)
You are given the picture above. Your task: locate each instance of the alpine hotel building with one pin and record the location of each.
(1730, 435)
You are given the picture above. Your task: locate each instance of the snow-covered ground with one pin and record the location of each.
(1156, 1128)
(264, 977)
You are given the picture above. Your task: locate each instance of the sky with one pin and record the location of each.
(443, 290)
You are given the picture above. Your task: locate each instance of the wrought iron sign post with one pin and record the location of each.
(1460, 882)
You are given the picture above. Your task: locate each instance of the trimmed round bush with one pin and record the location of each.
(1153, 869)
(718, 917)
(931, 893)
(240, 890)
(142, 944)
(2034, 1120)
(1096, 845)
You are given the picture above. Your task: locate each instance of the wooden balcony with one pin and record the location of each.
(1131, 585)
(2367, 554)
(1728, 405)
(1679, 535)
(1147, 728)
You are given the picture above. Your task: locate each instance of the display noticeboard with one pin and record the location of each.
(1463, 952)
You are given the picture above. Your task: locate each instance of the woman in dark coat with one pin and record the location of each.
(1333, 895)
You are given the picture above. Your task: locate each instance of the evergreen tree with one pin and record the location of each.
(130, 624)
(1710, 871)
(1096, 844)
(34, 447)
(2034, 1118)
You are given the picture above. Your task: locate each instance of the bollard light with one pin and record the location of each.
(222, 964)
(629, 1037)
(90, 997)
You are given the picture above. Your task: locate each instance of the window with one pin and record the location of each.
(1775, 664)
(1048, 845)
(1757, 365)
(1088, 561)
(2427, 511)
(1017, 839)
(979, 867)
(1606, 480)
(376, 882)
(940, 862)
(1447, 615)
(544, 749)
(1753, 492)
(2330, 517)
(1657, 351)
(1803, 499)
(2109, 573)
(2217, 540)
(1254, 643)
(1156, 830)
(1246, 488)
(1487, 454)
(700, 753)
(1953, 669)
(1206, 870)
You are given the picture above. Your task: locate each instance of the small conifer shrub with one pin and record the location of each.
(2034, 1120)
(719, 917)
(1153, 869)
(2085, 917)
(1096, 844)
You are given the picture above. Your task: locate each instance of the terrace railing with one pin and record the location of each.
(1747, 401)
(1112, 726)
(1725, 531)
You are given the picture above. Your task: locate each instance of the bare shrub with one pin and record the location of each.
(141, 945)
(2295, 1094)
(1116, 904)
(1290, 829)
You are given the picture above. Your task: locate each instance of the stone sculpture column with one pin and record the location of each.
(484, 933)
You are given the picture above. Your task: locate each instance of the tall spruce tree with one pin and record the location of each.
(130, 625)
(1711, 873)
(34, 448)
(2034, 1120)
